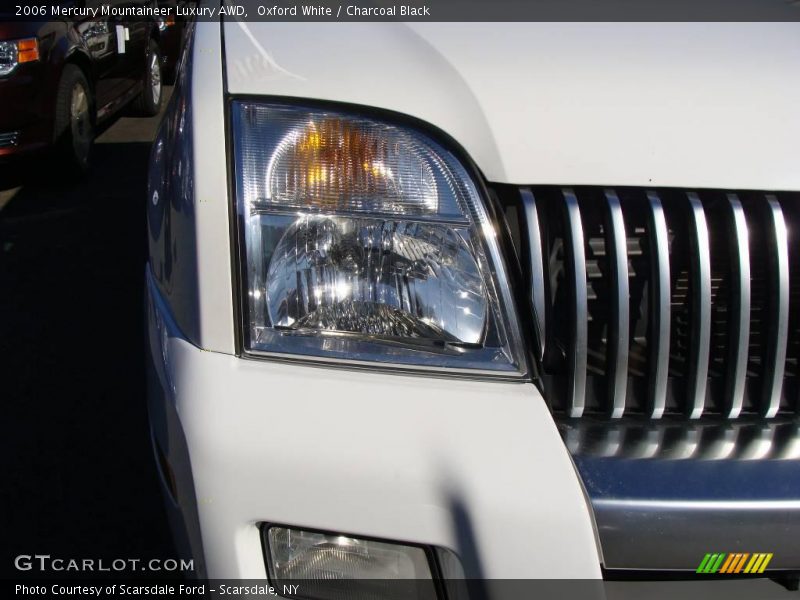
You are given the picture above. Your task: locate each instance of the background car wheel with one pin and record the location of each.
(149, 101)
(74, 121)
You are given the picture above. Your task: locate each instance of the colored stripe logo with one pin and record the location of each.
(735, 562)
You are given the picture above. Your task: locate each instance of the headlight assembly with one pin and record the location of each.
(17, 52)
(366, 241)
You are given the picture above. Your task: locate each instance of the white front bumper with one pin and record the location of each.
(475, 467)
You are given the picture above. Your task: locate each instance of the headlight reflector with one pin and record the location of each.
(366, 241)
(377, 277)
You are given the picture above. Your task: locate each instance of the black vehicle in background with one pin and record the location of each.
(60, 79)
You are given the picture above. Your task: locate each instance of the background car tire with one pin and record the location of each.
(74, 121)
(149, 101)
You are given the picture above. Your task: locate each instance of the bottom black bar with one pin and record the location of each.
(732, 588)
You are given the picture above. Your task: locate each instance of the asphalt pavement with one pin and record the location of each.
(78, 478)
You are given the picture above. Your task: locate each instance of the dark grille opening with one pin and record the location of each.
(683, 281)
(723, 245)
(656, 303)
(639, 257)
(791, 382)
(599, 299)
(759, 302)
(559, 328)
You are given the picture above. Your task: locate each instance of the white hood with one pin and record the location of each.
(663, 104)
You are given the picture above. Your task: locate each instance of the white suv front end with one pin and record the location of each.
(423, 307)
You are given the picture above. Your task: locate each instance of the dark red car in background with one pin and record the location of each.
(60, 79)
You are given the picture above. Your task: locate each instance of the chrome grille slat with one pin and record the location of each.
(701, 310)
(739, 320)
(664, 302)
(659, 316)
(536, 257)
(619, 322)
(577, 354)
(775, 354)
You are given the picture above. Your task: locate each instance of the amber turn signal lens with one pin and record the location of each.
(28, 50)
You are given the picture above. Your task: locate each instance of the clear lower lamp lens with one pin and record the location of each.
(337, 567)
(366, 241)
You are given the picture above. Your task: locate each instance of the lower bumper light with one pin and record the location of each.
(327, 566)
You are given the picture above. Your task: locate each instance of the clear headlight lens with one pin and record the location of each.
(337, 163)
(8, 57)
(17, 52)
(307, 555)
(366, 241)
(379, 277)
